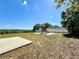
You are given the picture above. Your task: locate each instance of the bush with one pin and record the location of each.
(14, 31)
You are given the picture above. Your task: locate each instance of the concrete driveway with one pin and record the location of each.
(7, 44)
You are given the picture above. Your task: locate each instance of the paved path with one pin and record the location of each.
(50, 33)
(7, 44)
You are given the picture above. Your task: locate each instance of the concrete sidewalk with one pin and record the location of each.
(7, 44)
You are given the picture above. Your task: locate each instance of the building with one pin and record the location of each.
(54, 30)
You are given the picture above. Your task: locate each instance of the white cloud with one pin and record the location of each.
(24, 3)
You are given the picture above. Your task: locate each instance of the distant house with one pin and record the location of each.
(55, 30)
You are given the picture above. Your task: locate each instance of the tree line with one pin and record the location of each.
(8, 31)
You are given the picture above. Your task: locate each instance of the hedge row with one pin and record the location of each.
(14, 31)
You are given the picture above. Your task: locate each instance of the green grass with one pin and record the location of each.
(44, 47)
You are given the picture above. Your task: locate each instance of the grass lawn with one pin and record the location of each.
(44, 47)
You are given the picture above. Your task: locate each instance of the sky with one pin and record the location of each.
(24, 14)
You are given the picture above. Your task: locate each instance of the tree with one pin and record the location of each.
(71, 22)
(36, 27)
(43, 27)
(70, 15)
(72, 5)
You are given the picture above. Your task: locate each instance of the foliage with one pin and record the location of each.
(43, 26)
(5, 31)
(72, 5)
(70, 16)
(71, 22)
(36, 27)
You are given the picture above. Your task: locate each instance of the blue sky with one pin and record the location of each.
(23, 14)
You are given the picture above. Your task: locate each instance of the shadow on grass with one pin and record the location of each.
(71, 35)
